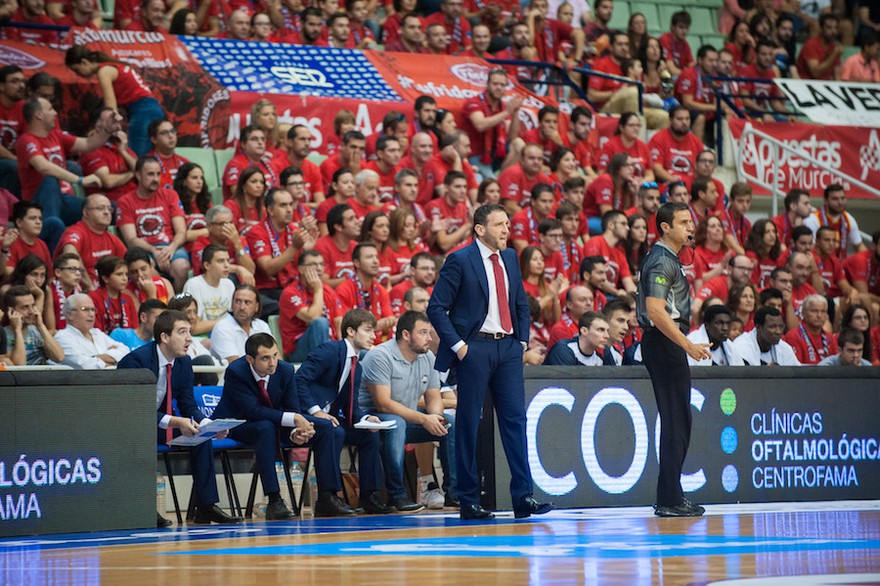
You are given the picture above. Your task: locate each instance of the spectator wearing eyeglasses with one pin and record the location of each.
(163, 136)
(69, 275)
(89, 238)
(739, 271)
(86, 347)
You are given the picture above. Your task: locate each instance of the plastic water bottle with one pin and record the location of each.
(282, 480)
(160, 494)
(313, 489)
(297, 479)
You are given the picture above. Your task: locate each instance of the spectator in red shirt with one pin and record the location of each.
(410, 38)
(31, 12)
(711, 256)
(593, 276)
(550, 238)
(489, 122)
(362, 35)
(797, 208)
(423, 268)
(90, 239)
(436, 39)
(339, 31)
(736, 225)
(458, 29)
(386, 165)
(451, 221)
(765, 250)
(548, 35)
(739, 271)
(481, 38)
(153, 17)
(742, 301)
(803, 274)
(163, 136)
(121, 87)
(151, 218)
(612, 190)
(455, 148)
(809, 341)
(406, 184)
(116, 306)
(609, 94)
(546, 133)
(350, 156)
(626, 140)
(519, 48)
(757, 103)
(366, 193)
(195, 199)
(310, 312)
(820, 56)
(524, 224)
(704, 198)
(674, 150)
(84, 13)
(706, 163)
(647, 204)
(834, 279)
(863, 66)
(251, 153)
(615, 229)
(863, 270)
(363, 290)
(578, 301)
(238, 26)
(676, 49)
(24, 238)
(518, 180)
(404, 240)
(42, 152)
(376, 228)
(421, 160)
(695, 91)
(336, 247)
(113, 162)
(221, 230)
(579, 140)
(12, 125)
(597, 34)
(299, 147)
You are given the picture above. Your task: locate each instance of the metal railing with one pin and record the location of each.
(780, 146)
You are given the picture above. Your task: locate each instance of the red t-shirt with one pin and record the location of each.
(533, 135)
(572, 255)
(349, 293)
(599, 192)
(554, 265)
(55, 147)
(128, 87)
(585, 153)
(832, 273)
(152, 216)
(605, 65)
(30, 35)
(243, 220)
(264, 240)
(862, 266)
(238, 163)
(126, 10)
(328, 167)
(524, 226)
(456, 216)
(677, 50)
(493, 142)
(739, 227)
(717, 287)
(516, 185)
(337, 263)
(638, 151)
(110, 156)
(401, 258)
(459, 32)
(763, 267)
(466, 168)
(691, 83)
(811, 348)
(565, 329)
(677, 157)
(549, 38)
(386, 180)
(430, 177)
(815, 48)
(798, 294)
(758, 90)
(398, 292)
(705, 260)
(113, 313)
(360, 210)
(20, 249)
(91, 246)
(12, 124)
(296, 297)
(170, 166)
(616, 267)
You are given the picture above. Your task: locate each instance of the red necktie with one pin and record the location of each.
(354, 363)
(501, 294)
(264, 394)
(168, 431)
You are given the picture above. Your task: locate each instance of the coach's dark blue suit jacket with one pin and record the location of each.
(241, 394)
(317, 381)
(181, 379)
(460, 301)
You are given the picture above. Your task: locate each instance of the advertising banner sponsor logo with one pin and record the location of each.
(853, 151)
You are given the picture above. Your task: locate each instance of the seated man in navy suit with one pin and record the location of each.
(166, 357)
(327, 383)
(261, 389)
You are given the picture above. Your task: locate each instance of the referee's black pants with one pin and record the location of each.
(667, 364)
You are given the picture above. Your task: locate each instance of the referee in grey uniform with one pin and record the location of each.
(664, 313)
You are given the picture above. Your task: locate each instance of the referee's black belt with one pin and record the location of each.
(495, 336)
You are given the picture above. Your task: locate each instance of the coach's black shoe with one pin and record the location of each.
(475, 513)
(278, 511)
(528, 506)
(684, 509)
(205, 515)
(404, 505)
(373, 506)
(330, 505)
(162, 522)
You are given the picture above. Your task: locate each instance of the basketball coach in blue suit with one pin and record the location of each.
(261, 389)
(481, 314)
(166, 356)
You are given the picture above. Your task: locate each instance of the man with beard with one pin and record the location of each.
(797, 208)
(457, 28)
(763, 68)
(764, 345)
(674, 149)
(820, 56)
(113, 162)
(489, 122)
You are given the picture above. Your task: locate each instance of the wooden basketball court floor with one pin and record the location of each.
(798, 544)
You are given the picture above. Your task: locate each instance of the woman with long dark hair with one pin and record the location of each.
(32, 272)
(742, 300)
(531, 264)
(626, 140)
(121, 87)
(765, 250)
(189, 183)
(636, 242)
(857, 317)
(246, 203)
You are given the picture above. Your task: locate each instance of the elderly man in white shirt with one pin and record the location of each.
(714, 331)
(86, 347)
(764, 345)
(232, 331)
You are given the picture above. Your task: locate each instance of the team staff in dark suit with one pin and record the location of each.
(664, 313)
(167, 355)
(261, 390)
(327, 382)
(480, 312)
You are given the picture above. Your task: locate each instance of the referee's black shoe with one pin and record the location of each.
(684, 509)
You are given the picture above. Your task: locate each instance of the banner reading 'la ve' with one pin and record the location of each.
(835, 102)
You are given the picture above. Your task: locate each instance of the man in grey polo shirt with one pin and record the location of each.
(397, 374)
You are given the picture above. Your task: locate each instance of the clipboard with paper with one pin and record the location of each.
(206, 432)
